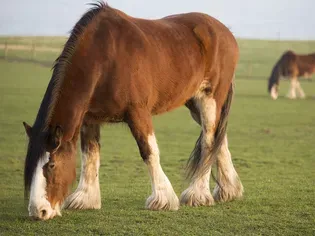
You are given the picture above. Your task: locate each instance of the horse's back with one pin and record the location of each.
(158, 63)
(295, 65)
(306, 64)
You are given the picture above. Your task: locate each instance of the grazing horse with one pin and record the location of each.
(116, 68)
(291, 66)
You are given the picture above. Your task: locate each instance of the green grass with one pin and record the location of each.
(272, 143)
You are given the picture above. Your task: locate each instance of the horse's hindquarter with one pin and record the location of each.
(306, 65)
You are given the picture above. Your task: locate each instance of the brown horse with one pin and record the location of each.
(116, 68)
(291, 66)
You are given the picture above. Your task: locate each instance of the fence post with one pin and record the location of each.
(6, 50)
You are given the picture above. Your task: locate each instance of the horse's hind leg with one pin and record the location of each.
(163, 196)
(87, 194)
(211, 146)
(203, 110)
(293, 87)
(299, 89)
(228, 185)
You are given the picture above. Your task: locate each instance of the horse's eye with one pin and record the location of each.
(51, 165)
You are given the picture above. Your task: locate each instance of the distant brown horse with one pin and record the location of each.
(116, 68)
(291, 66)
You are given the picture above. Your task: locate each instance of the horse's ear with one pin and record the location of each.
(54, 140)
(28, 129)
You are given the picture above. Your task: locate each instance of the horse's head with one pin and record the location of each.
(49, 171)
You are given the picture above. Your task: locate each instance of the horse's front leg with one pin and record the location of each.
(87, 194)
(163, 196)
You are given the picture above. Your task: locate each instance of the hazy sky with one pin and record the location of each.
(287, 19)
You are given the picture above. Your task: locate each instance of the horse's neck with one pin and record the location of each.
(72, 102)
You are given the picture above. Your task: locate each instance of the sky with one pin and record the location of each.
(264, 19)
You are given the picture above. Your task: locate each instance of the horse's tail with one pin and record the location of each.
(198, 166)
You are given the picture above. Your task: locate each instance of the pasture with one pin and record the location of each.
(272, 145)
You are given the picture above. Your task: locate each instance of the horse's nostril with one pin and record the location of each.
(43, 213)
(35, 218)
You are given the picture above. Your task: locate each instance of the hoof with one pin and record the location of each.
(162, 200)
(82, 199)
(229, 192)
(195, 197)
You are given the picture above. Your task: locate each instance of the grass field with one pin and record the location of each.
(272, 143)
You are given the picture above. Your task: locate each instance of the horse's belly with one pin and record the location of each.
(174, 98)
(106, 110)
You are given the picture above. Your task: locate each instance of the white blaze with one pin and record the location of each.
(38, 196)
